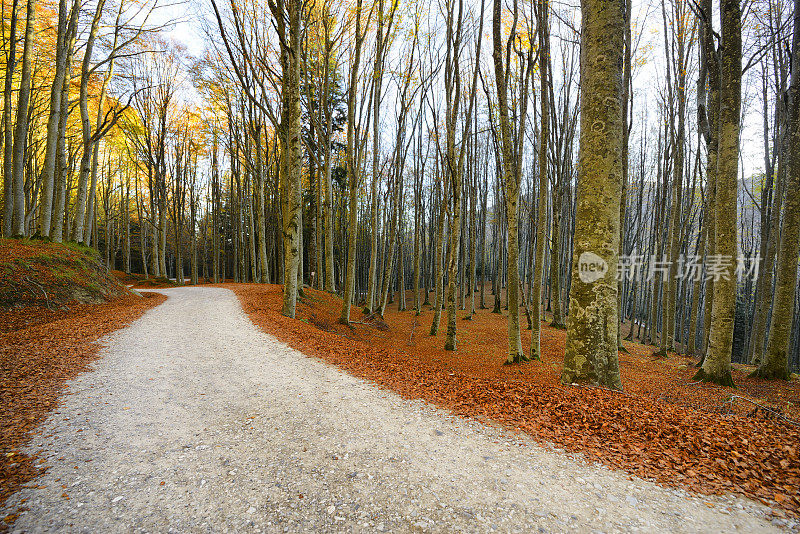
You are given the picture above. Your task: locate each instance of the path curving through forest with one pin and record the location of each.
(196, 421)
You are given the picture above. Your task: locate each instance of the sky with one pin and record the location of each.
(186, 28)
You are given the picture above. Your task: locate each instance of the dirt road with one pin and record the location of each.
(195, 421)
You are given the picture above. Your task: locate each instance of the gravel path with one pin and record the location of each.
(195, 421)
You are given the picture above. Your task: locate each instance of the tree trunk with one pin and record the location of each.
(541, 210)
(49, 164)
(8, 131)
(79, 230)
(555, 259)
(21, 126)
(352, 174)
(591, 347)
(511, 180)
(438, 271)
(717, 363)
(691, 342)
(60, 208)
(623, 203)
(765, 281)
(775, 363)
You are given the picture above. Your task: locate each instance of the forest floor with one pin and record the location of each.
(194, 419)
(665, 427)
(49, 276)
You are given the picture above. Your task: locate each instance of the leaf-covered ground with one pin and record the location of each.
(664, 427)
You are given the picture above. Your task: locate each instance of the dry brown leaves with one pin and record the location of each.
(657, 430)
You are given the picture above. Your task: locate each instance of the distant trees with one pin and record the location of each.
(376, 148)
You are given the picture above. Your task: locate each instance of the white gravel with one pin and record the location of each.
(196, 421)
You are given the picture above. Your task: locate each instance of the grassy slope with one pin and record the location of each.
(41, 281)
(37, 273)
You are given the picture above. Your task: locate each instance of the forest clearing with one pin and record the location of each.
(390, 265)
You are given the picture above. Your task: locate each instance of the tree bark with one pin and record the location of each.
(717, 363)
(511, 176)
(352, 174)
(591, 347)
(541, 210)
(775, 363)
(8, 130)
(21, 126)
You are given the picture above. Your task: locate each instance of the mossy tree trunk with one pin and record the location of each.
(591, 349)
(707, 118)
(352, 173)
(510, 145)
(775, 364)
(454, 156)
(671, 297)
(291, 147)
(717, 362)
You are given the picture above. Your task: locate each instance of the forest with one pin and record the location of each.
(632, 174)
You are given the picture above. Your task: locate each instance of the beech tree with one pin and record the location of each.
(543, 27)
(352, 169)
(717, 362)
(591, 349)
(511, 150)
(775, 364)
(453, 158)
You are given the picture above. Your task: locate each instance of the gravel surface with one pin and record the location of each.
(196, 421)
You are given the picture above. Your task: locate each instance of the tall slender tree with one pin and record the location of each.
(775, 364)
(717, 362)
(591, 348)
(511, 146)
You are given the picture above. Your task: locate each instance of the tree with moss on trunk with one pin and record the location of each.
(455, 153)
(511, 148)
(352, 173)
(775, 364)
(288, 17)
(716, 366)
(591, 348)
